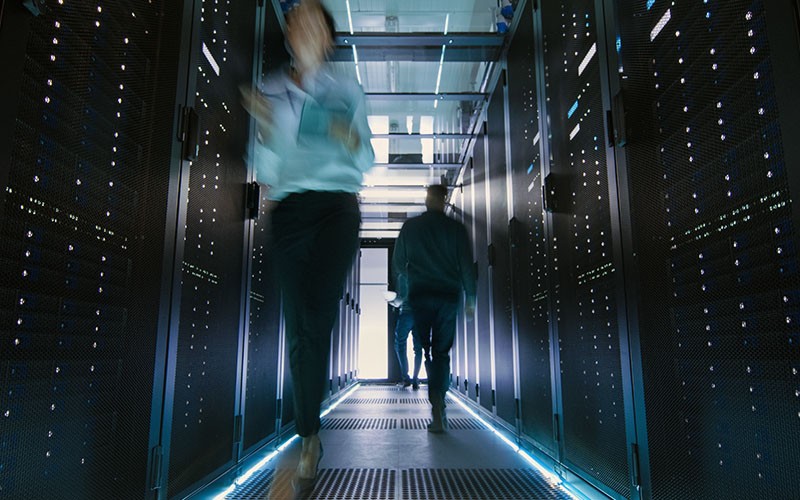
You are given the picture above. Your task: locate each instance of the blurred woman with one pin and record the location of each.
(313, 148)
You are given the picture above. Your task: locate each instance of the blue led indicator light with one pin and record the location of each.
(650, 4)
(619, 44)
(530, 169)
(572, 110)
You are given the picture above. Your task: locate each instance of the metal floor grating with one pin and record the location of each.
(333, 484)
(478, 484)
(459, 424)
(371, 453)
(414, 401)
(341, 424)
(380, 389)
(370, 401)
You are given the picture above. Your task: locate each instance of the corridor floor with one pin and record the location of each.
(377, 447)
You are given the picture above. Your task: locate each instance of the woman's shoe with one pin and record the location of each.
(303, 486)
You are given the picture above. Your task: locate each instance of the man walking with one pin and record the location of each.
(404, 326)
(434, 254)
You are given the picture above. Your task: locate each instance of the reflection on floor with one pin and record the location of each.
(377, 447)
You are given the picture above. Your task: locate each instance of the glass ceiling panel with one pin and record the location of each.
(407, 116)
(415, 16)
(417, 77)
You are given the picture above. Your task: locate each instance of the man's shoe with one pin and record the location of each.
(439, 423)
(415, 386)
(406, 383)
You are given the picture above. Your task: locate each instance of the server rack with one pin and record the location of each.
(89, 238)
(703, 125)
(503, 386)
(673, 166)
(531, 292)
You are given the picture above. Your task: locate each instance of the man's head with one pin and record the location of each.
(436, 197)
(310, 34)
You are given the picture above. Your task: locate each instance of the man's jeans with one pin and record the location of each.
(435, 325)
(405, 325)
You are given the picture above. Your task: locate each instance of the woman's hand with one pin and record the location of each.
(340, 130)
(259, 108)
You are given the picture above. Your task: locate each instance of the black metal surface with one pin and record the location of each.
(459, 424)
(263, 346)
(81, 250)
(206, 369)
(471, 377)
(501, 268)
(528, 255)
(332, 484)
(480, 236)
(476, 484)
(716, 249)
(370, 401)
(594, 438)
(346, 424)
(263, 339)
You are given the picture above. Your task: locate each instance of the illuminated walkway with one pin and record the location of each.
(377, 447)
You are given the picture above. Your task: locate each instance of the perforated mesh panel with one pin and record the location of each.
(593, 413)
(81, 247)
(716, 250)
(501, 268)
(471, 350)
(480, 237)
(341, 424)
(263, 337)
(476, 484)
(452, 424)
(206, 378)
(369, 401)
(414, 401)
(332, 484)
(262, 346)
(529, 257)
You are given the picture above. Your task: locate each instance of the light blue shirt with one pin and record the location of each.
(299, 155)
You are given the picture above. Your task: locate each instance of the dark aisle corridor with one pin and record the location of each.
(627, 171)
(377, 447)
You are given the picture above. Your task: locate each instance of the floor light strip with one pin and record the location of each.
(555, 480)
(264, 461)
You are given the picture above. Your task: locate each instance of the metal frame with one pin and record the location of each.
(463, 47)
(510, 208)
(606, 41)
(443, 137)
(247, 257)
(417, 96)
(544, 148)
(170, 300)
(783, 30)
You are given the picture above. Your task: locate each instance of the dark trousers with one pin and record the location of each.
(435, 325)
(315, 237)
(404, 326)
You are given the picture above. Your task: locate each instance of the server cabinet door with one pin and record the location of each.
(482, 310)
(263, 343)
(470, 336)
(715, 248)
(529, 241)
(587, 282)
(263, 360)
(206, 377)
(497, 210)
(459, 346)
(86, 235)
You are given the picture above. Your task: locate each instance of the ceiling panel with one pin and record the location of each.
(414, 15)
